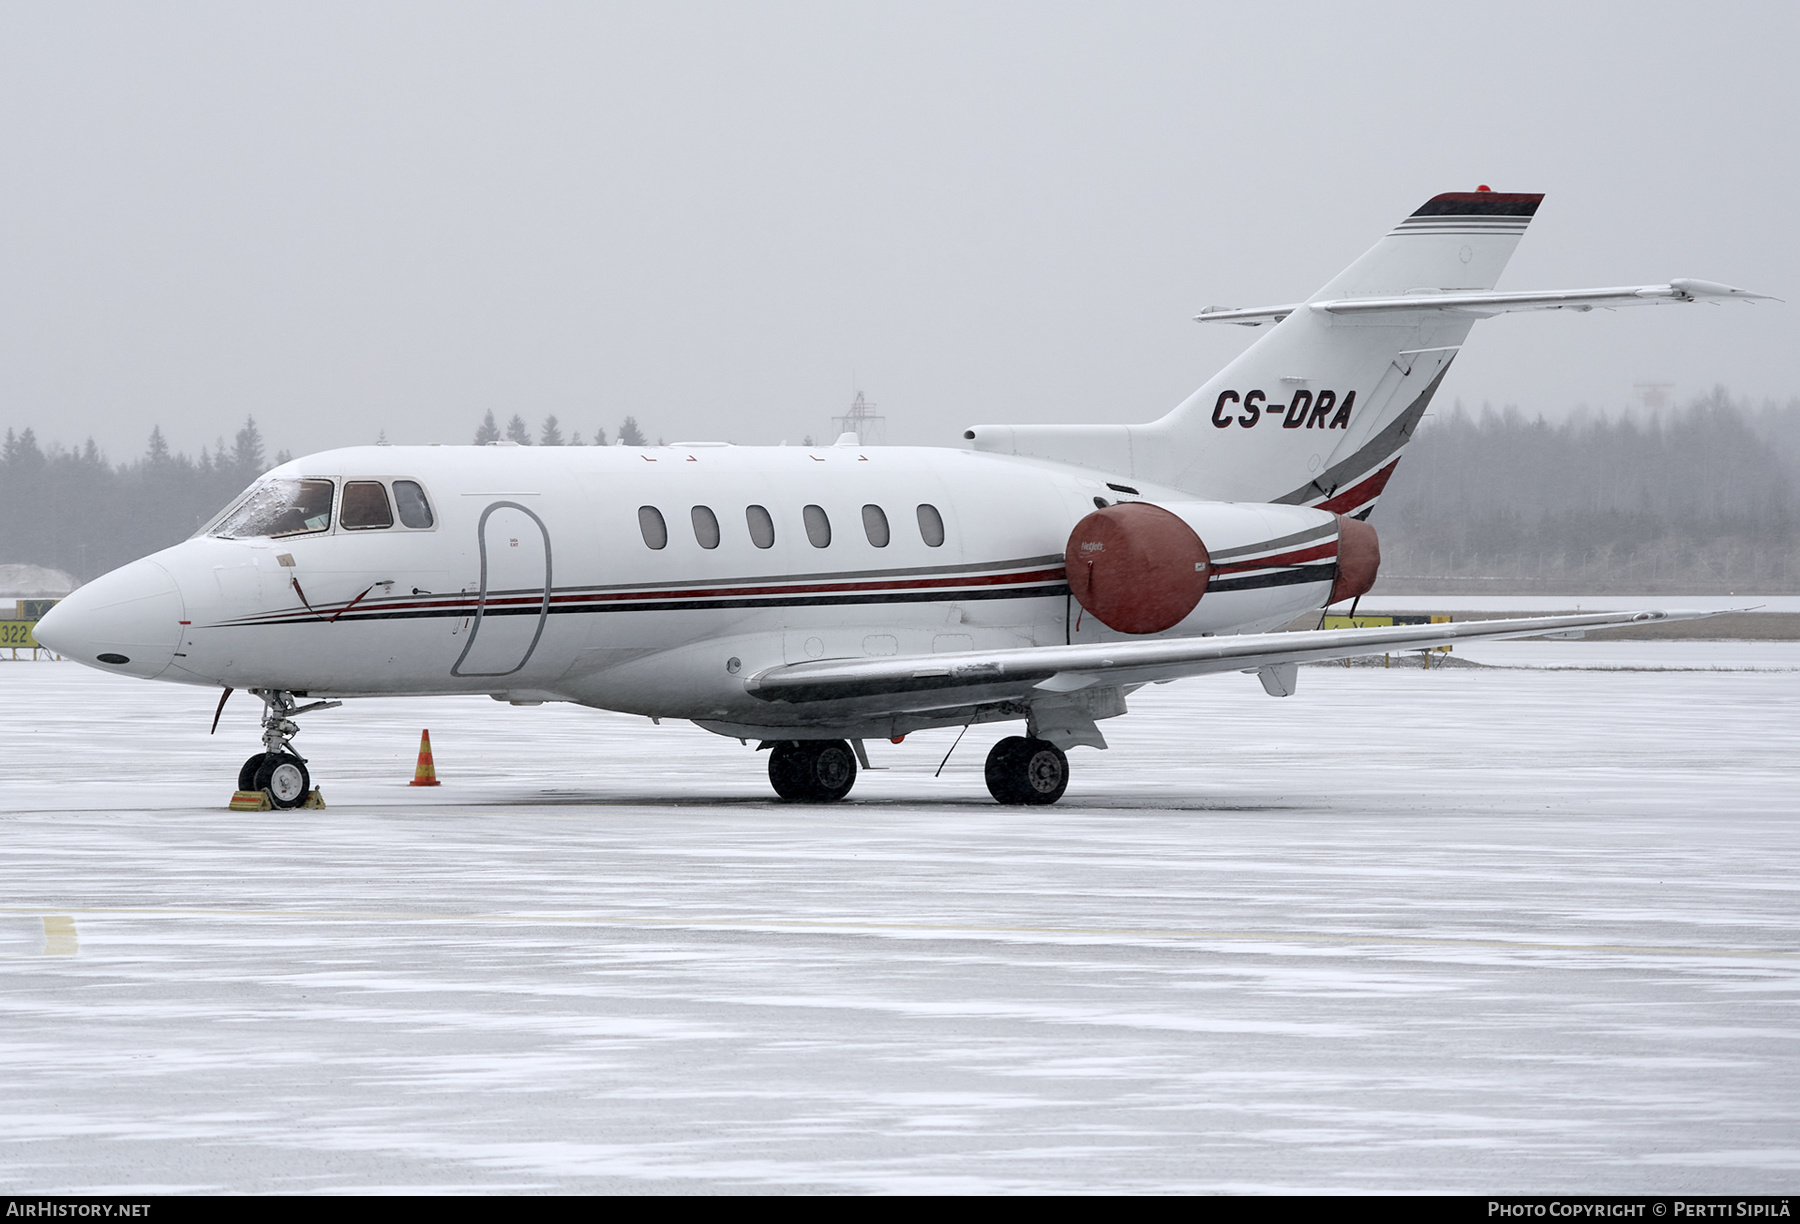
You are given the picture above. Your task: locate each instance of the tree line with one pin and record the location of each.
(1704, 498)
(72, 510)
(1696, 500)
(550, 434)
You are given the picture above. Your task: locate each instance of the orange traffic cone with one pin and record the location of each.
(426, 773)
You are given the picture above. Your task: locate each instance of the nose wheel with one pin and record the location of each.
(1027, 771)
(278, 769)
(284, 776)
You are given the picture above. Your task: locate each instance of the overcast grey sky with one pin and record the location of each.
(723, 218)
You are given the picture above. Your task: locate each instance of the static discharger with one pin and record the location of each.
(426, 773)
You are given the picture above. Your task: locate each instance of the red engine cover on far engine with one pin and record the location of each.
(1136, 567)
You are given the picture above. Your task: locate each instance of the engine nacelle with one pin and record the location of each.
(1137, 567)
(1142, 567)
(1358, 559)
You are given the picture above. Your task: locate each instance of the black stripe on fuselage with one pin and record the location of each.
(1023, 565)
(1279, 544)
(564, 605)
(1296, 576)
(1055, 590)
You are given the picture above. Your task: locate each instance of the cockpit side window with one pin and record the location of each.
(365, 506)
(415, 510)
(280, 508)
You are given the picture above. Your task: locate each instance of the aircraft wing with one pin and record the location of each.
(1484, 304)
(927, 681)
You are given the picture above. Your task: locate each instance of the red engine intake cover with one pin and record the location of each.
(1136, 567)
(1359, 558)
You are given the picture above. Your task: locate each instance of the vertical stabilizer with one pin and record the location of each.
(1317, 411)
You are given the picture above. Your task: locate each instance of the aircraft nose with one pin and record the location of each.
(126, 621)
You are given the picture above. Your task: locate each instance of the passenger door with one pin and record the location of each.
(514, 600)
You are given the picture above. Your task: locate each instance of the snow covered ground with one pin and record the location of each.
(1635, 653)
(1471, 929)
(1481, 602)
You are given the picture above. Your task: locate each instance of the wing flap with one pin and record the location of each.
(922, 681)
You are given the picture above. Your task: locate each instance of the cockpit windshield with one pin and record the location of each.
(279, 508)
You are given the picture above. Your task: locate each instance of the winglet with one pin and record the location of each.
(1695, 289)
(1245, 316)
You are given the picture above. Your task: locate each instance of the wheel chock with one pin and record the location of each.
(259, 801)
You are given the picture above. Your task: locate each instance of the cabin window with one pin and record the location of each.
(280, 508)
(415, 511)
(818, 526)
(762, 526)
(365, 506)
(650, 522)
(931, 526)
(706, 526)
(875, 526)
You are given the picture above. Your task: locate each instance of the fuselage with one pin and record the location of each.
(651, 580)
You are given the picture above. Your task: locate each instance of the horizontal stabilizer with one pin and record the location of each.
(932, 681)
(1484, 304)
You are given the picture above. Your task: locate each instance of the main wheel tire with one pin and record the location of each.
(247, 775)
(284, 776)
(834, 771)
(1026, 771)
(812, 771)
(1005, 768)
(789, 773)
(1046, 774)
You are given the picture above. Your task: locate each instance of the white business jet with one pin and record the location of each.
(810, 599)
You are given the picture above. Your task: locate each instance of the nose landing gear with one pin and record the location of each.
(278, 769)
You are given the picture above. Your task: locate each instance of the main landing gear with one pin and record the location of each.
(278, 769)
(812, 771)
(1020, 771)
(1027, 771)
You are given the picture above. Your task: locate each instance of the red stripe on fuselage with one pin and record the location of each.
(1317, 553)
(821, 588)
(470, 603)
(1363, 493)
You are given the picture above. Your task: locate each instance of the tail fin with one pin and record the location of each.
(1317, 411)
